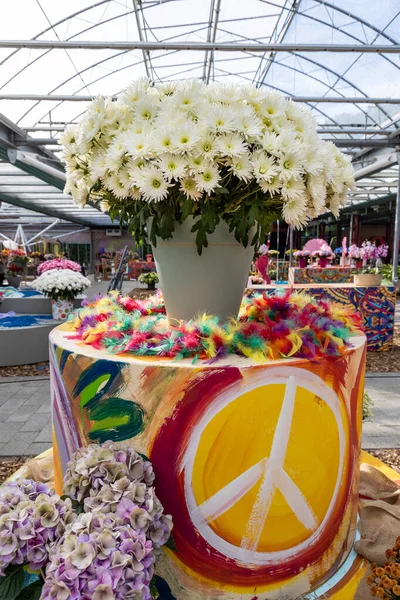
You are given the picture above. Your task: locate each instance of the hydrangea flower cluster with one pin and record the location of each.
(100, 559)
(115, 481)
(59, 263)
(32, 518)
(61, 284)
(213, 151)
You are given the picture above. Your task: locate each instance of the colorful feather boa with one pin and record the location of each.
(269, 328)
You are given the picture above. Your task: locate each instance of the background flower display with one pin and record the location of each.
(59, 263)
(368, 252)
(240, 154)
(61, 284)
(150, 279)
(100, 541)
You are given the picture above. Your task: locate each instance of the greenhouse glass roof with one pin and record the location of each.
(340, 57)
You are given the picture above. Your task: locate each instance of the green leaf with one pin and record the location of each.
(153, 589)
(12, 582)
(171, 543)
(32, 591)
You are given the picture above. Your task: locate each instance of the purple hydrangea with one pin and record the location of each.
(32, 518)
(99, 558)
(94, 467)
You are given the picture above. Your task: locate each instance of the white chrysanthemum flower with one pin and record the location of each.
(187, 94)
(135, 91)
(295, 211)
(293, 189)
(138, 145)
(316, 187)
(264, 166)
(196, 163)
(312, 159)
(242, 167)
(185, 136)
(117, 187)
(70, 160)
(207, 146)
(172, 165)
(162, 139)
(152, 184)
(69, 137)
(271, 187)
(104, 206)
(270, 143)
(220, 119)
(188, 187)
(335, 203)
(98, 164)
(166, 89)
(208, 179)
(316, 206)
(290, 165)
(89, 128)
(249, 124)
(225, 93)
(115, 153)
(231, 144)
(271, 106)
(146, 108)
(97, 108)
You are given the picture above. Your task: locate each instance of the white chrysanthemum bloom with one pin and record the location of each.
(188, 187)
(166, 89)
(316, 206)
(115, 153)
(146, 108)
(89, 128)
(115, 185)
(290, 165)
(225, 93)
(208, 179)
(138, 145)
(104, 206)
(248, 123)
(292, 189)
(135, 91)
(98, 107)
(270, 143)
(220, 119)
(312, 158)
(186, 95)
(172, 165)
(69, 137)
(242, 167)
(264, 166)
(196, 163)
(271, 107)
(162, 139)
(98, 164)
(207, 146)
(316, 187)
(152, 184)
(70, 160)
(231, 144)
(335, 203)
(295, 211)
(185, 136)
(288, 141)
(271, 187)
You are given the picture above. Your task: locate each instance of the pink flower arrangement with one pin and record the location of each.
(368, 251)
(382, 251)
(59, 263)
(355, 252)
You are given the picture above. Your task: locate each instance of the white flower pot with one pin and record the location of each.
(212, 283)
(368, 280)
(61, 309)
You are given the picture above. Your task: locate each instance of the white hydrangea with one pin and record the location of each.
(193, 137)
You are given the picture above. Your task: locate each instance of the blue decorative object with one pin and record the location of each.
(19, 321)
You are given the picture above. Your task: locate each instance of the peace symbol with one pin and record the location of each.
(269, 472)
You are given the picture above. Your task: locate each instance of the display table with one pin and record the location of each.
(135, 267)
(376, 305)
(256, 463)
(326, 275)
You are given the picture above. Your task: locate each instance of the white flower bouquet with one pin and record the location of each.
(61, 284)
(242, 154)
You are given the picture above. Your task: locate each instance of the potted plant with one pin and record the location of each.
(323, 257)
(201, 172)
(302, 256)
(150, 279)
(62, 286)
(14, 274)
(369, 276)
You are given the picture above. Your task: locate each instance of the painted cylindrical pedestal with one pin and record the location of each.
(258, 464)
